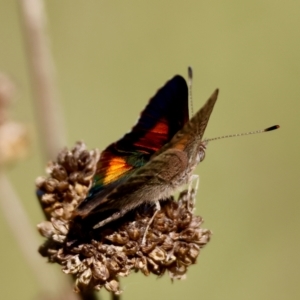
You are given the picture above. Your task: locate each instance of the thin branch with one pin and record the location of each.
(42, 75)
(21, 228)
(17, 219)
(51, 129)
(115, 297)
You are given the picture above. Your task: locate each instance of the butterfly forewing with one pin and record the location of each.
(165, 114)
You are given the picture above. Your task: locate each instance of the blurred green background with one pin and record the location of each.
(111, 56)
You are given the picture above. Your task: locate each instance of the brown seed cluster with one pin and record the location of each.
(97, 258)
(69, 180)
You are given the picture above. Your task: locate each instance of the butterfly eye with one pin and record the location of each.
(201, 153)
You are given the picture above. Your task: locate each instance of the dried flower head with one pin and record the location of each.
(98, 257)
(13, 135)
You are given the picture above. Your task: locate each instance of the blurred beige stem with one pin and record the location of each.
(21, 227)
(50, 124)
(41, 65)
(28, 243)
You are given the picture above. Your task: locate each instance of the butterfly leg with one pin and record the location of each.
(170, 256)
(113, 217)
(194, 178)
(157, 209)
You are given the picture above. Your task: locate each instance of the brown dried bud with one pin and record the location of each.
(7, 91)
(13, 142)
(13, 135)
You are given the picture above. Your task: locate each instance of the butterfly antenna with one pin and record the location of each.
(190, 83)
(245, 133)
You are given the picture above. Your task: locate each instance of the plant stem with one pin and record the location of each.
(21, 228)
(115, 297)
(88, 295)
(51, 130)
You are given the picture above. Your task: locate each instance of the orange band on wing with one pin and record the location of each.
(117, 166)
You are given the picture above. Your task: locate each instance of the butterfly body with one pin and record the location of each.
(147, 176)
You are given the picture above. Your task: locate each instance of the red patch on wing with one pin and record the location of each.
(155, 137)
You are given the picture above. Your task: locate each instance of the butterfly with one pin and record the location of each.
(156, 157)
